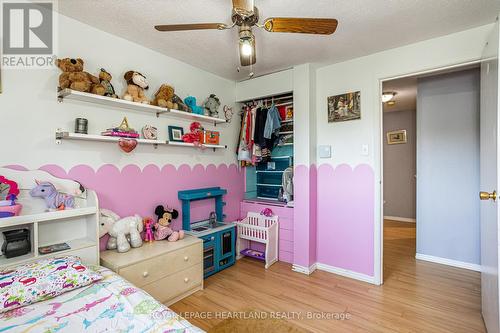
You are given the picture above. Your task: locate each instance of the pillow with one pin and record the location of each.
(41, 280)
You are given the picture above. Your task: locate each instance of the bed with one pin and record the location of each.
(109, 305)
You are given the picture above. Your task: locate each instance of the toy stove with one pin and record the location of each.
(219, 237)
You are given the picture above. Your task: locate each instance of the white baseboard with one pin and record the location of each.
(304, 269)
(400, 219)
(346, 273)
(449, 262)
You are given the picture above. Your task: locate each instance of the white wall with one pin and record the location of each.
(263, 86)
(28, 104)
(448, 166)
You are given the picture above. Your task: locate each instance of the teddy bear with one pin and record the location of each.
(162, 227)
(136, 84)
(212, 105)
(190, 101)
(105, 80)
(75, 78)
(164, 96)
(123, 233)
(194, 136)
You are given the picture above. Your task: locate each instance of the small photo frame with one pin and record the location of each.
(396, 137)
(175, 133)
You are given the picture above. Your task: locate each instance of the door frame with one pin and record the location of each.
(379, 227)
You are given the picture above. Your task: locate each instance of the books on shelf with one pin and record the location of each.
(53, 248)
(113, 132)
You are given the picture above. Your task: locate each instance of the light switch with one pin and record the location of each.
(364, 150)
(325, 151)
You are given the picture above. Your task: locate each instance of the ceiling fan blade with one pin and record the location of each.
(243, 7)
(195, 26)
(321, 26)
(247, 60)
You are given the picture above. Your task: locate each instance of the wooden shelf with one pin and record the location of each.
(75, 244)
(16, 260)
(63, 135)
(46, 216)
(68, 94)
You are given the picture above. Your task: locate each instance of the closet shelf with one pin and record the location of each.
(270, 185)
(269, 171)
(63, 135)
(286, 133)
(287, 121)
(123, 104)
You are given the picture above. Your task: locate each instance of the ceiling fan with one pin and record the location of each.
(245, 15)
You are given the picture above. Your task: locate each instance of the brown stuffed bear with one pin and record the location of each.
(163, 97)
(105, 79)
(136, 84)
(75, 78)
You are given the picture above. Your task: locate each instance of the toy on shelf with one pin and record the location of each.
(53, 199)
(162, 227)
(148, 229)
(150, 132)
(164, 97)
(228, 113)
(9, 207)
(212, 105)
(190, 101)
(75, 78)
(105, 80)
(195, 135)
(136, 84)
(181, 106)
(120, 230)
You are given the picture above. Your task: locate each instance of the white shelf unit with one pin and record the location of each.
(77, 227)
(64, 135)
(68, 94)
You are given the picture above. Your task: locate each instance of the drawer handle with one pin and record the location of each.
(186, 258)
(145, 274)
(186, 280)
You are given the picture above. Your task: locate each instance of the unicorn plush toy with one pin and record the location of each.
(54, 199)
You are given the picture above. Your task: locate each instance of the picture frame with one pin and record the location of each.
(175, 133)
(344, 107)
(396, 137)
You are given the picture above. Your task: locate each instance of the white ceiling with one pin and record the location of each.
(365, 27)
(406, 94)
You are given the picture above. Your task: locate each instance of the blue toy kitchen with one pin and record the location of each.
(219, 237)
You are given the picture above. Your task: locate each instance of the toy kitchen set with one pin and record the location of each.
(219, 238)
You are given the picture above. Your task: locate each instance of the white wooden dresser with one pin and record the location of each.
(168, 271)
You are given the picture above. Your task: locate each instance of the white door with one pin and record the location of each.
(489, 183)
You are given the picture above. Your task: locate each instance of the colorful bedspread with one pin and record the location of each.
(110, 305)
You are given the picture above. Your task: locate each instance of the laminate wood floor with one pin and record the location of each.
(416, 296)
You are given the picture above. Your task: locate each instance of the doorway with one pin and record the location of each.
(431, 170)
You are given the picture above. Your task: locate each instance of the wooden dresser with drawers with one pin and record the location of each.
(168, 271)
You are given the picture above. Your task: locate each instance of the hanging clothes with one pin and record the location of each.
(273, 122)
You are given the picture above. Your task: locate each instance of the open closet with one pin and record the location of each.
(266, 152)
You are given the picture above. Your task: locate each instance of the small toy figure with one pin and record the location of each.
(162, 227)
(148, 228)
(212, 105)
(54, 199)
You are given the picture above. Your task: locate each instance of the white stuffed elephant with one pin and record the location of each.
(123, 233)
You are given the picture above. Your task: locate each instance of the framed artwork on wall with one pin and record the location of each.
(344, 107)
(175, 133)
(396, 137)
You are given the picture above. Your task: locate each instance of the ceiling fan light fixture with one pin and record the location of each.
(246, 48)
(388, 96)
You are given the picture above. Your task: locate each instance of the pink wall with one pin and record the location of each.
(345, 224)
(135, 191)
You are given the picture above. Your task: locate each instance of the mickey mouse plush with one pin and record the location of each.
(162, 227)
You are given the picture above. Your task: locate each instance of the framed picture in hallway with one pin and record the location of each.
(344, 107)
(396, 137)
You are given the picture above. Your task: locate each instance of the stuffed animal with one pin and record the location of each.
(105, 80)
(123, 233)
(162, 227)
(212, 105)
(190, 101)
(194, 136)
(75, 78)
(53, 199)
(180, 104)
(164, 96)
(136, 84)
